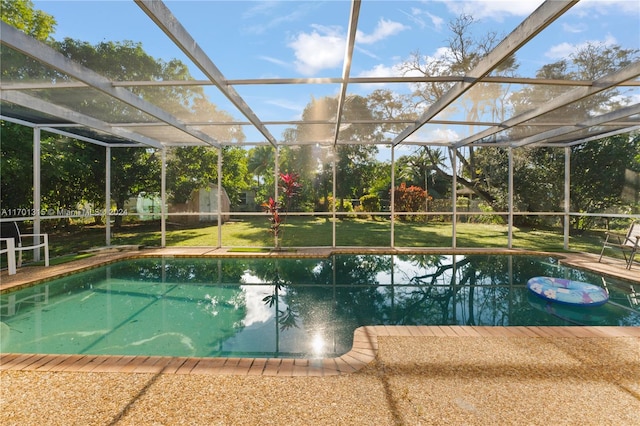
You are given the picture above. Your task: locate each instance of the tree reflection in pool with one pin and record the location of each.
(284, 307)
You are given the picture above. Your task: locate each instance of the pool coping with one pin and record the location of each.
(363, 353)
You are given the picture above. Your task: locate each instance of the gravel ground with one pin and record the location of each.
(414, 381)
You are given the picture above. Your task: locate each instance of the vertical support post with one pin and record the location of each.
(334, 187)
(392, 198)
(36, 191)
(510, 230)
(107, 195)
(454, 194)
(163, 198)
(567, 195)
(219, 197)
(427, 169)
(275, 184)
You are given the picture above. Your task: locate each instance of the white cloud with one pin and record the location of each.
(321, 49)
(256, 310)
(285, 104)
(367, 53)
(493, 9)
(270, 15)
(436, 21)
(564, 50)
(382, 71)
(324, 47)
(626, 99)
(383, 30)
(396, 70)
(441, 53)
(274, 61)
(577, 28)
(604, 7)
(441, 135)
(378, 71)
(417, 16)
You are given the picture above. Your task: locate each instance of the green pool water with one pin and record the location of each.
(265, 307)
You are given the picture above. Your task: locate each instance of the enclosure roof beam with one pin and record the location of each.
(55, 130)
(603, 135)
(39, 51)
(63, 113)
(320, 80)
(169, 24)
(346, 69)
(541, 18)
(81, 138)
(594, 121)
(607, 82)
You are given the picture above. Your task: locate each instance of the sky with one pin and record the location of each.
(299, 39)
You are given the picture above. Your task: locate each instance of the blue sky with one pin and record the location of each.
(296, 39)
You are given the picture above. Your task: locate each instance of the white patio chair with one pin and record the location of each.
(11, 230)
(627, 243)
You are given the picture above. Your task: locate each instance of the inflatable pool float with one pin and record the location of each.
(569, 292)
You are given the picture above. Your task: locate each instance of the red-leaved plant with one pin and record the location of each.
(290, 186)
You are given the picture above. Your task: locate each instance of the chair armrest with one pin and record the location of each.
(43, 241)
(610, 233)
(614, 238)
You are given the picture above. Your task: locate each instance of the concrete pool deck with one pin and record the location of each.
(393, 376)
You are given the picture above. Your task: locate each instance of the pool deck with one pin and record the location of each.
(392, 376)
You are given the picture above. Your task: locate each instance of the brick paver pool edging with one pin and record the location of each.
(362, 353)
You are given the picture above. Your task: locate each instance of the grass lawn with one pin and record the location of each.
(317, 232)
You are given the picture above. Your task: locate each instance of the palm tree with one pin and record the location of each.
(261, 163)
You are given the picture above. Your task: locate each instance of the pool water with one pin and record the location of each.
(266, 307)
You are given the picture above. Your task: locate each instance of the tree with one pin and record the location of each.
(235, 172)
(16, 167)
(594, 165)
(598, 178)
(539, 172)
(462, 55)
(261, 162)
(589, 62)
(421, 169)
(392, 110)
(16, 143)
(317, 148)
(188, 169)
(355, 160)
(77, 168)
(134, 170)
(22, 15)
(72, 172)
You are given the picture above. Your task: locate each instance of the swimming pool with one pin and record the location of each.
(284, 307)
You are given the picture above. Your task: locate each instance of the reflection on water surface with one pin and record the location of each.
(265, 307)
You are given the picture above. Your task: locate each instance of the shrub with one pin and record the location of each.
(370, 203)
(409, 199)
